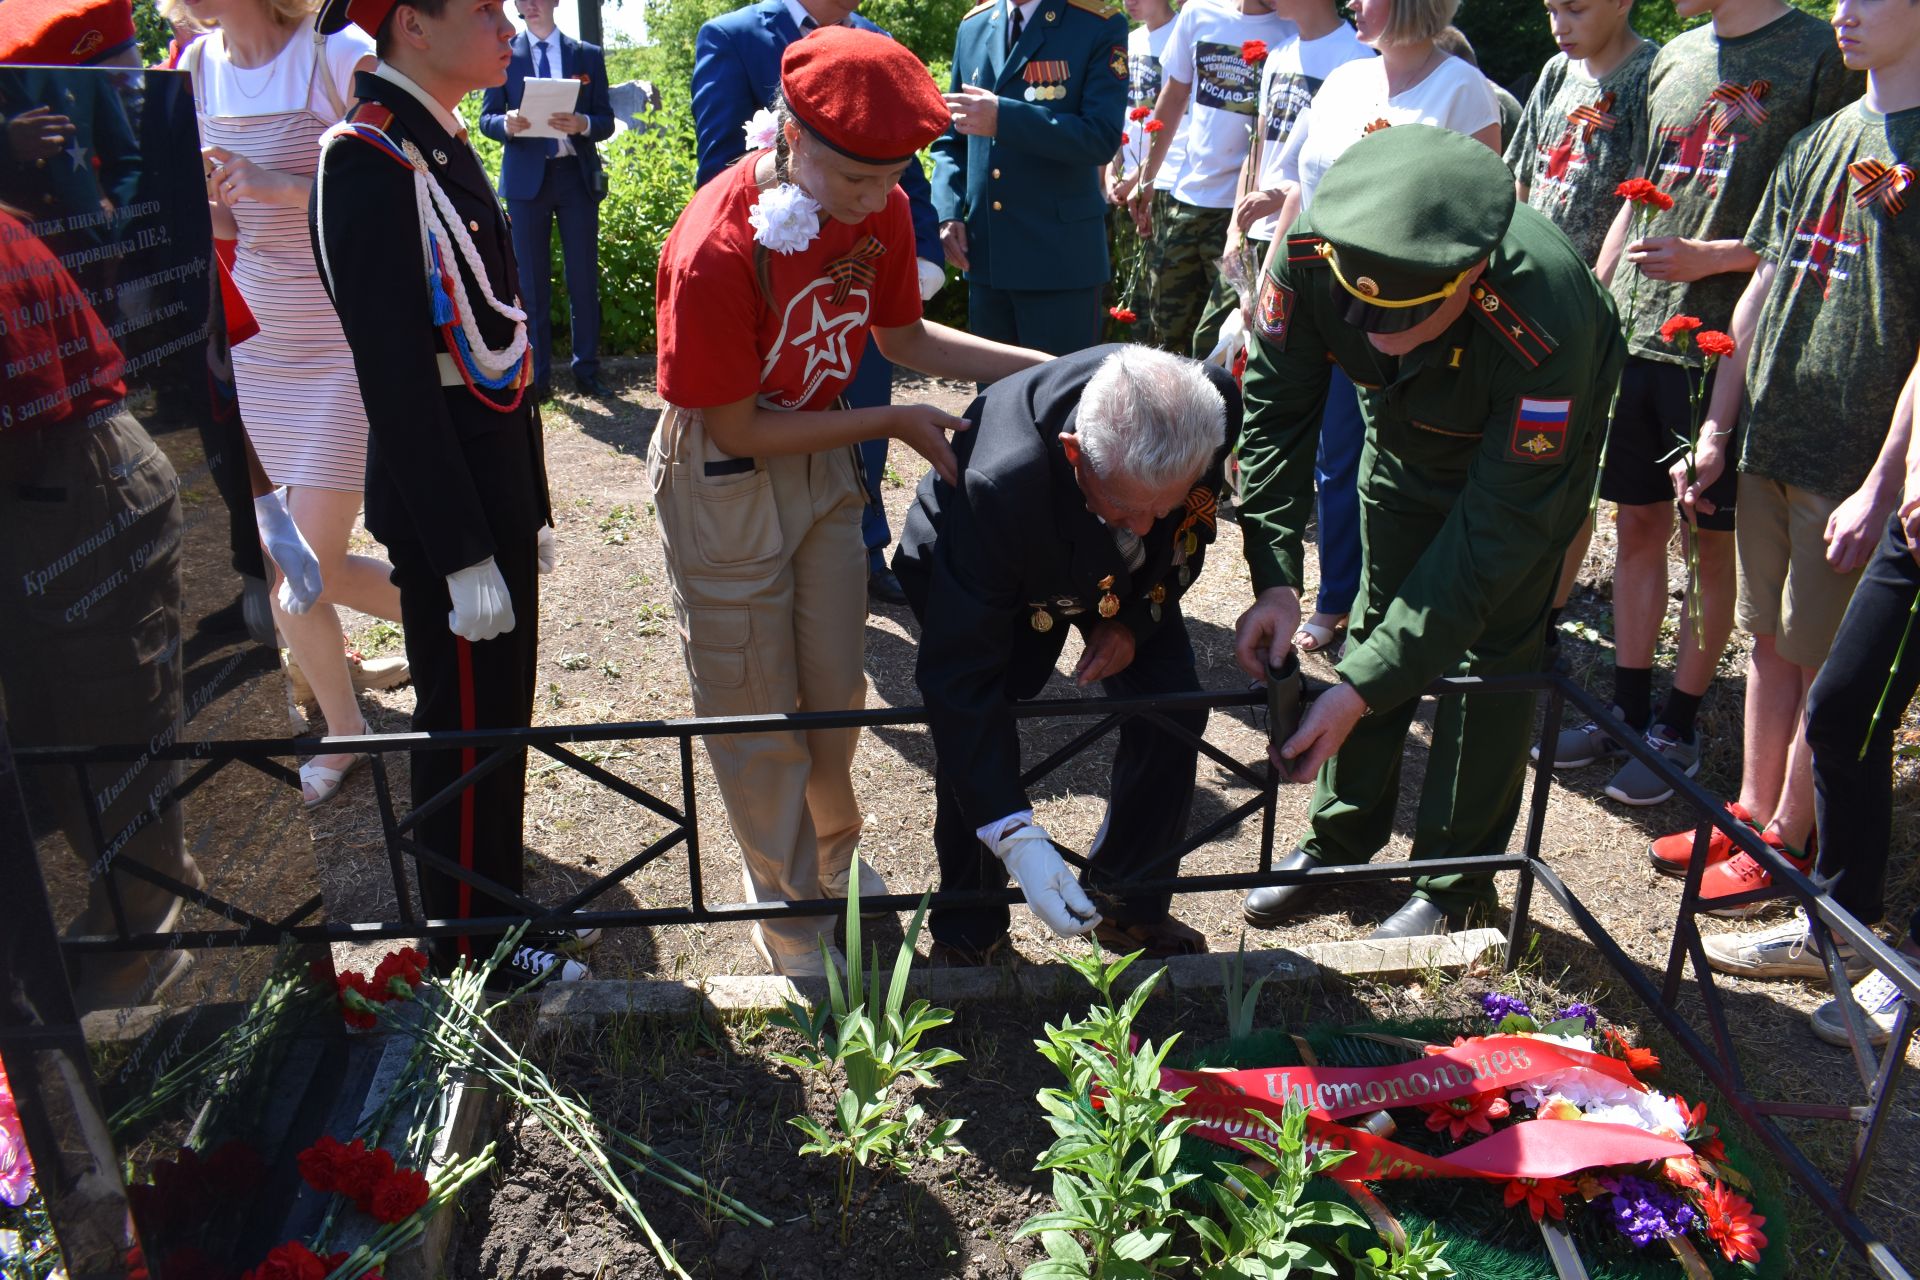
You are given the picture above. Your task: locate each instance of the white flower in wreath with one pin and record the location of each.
(761, 130)
(785, 219)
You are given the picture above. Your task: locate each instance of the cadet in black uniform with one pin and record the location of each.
(1087, 499)
(456, 481)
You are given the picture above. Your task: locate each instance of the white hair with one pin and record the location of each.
(1151, 417)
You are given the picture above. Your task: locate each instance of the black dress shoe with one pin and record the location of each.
(588, 385)
(1416, 918)
(884, 588)
(1272, 904)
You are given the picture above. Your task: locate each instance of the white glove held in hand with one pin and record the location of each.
(1043, 875)
(300, 584)
(1233, 336)
(932, 276)
(481, 606)
(546, 553)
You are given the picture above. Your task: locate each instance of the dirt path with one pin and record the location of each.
(609, 654)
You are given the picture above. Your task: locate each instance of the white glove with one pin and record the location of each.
(1233, 334)
(481, 607)
(932, 276)
(1043, 875)
(545, 553)
(300, 585)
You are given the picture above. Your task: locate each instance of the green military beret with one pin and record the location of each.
(1404, 213)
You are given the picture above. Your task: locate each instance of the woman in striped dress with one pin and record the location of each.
(265, 89)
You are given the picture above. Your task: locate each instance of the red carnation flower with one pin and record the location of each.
(1712, 342)
(289, 1261)
(334, 1261)
(1642, 192)
(1139, 113)
(1125, 138)
(1253, 52)
(406, 967)
(399, 1196)
(1733, 1224)
(320, 1164)
(1123, 314)
(356, 1179)
(1153, 126)
(356, 996)
(1672, 329)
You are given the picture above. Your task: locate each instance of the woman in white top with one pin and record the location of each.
(1413, 81)
(265, 89)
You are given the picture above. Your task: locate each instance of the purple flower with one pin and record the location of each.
(1579, 1009)
(1500, 1006)
(1643, 1212)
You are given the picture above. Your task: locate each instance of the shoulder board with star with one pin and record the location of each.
(985, 6)
(1304, 250)
(1517, 332)
(1094, 7)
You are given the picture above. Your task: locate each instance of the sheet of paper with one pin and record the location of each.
(540, 99)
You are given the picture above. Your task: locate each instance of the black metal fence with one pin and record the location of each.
(1713, 1048)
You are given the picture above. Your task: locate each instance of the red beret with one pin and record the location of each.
(862, 94)
(63, 33)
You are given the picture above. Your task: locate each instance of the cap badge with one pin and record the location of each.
(439, 156)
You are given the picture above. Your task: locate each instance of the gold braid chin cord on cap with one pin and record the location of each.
(1326, 251)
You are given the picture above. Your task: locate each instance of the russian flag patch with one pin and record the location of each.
(1539, 430)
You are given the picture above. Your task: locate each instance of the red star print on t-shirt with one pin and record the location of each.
(1697, 152)
(1825, 248)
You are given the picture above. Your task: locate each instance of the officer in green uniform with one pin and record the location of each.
(1039, 96)
(1485, 353)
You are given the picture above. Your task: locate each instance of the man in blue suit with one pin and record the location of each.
(736, 72)
(1039, 98)
(549, 179)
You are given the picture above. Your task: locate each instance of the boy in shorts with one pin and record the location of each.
(1723, 100)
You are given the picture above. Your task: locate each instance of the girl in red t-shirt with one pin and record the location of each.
(770, 284)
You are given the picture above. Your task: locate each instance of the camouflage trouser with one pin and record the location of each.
(1187, 243)
(1225, 300)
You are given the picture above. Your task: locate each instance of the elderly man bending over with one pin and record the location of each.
(1086, 500)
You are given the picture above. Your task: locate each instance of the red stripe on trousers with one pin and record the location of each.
(468, 757)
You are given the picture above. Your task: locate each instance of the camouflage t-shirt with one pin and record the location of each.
(1579, 139)
(1837, 333)
(1720, 114)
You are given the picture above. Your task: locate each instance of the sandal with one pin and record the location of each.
(324, 783)
(1160, 939)
(1313, 637)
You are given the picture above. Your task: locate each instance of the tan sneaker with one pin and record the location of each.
(796, 964)
(1877, 997)
(389, 672)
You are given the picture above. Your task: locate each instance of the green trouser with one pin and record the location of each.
(1225, 300)
(1470, 799)
(1187, 244)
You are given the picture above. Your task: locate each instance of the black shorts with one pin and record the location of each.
(1652, 423)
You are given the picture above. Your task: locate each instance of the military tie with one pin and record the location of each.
(1014, 28)
(544, 69)
(1132, 550)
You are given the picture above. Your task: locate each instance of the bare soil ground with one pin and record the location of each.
(609, 654)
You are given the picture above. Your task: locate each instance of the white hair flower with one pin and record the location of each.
(786, 219)
(761, 130)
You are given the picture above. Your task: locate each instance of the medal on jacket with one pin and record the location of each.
(1046, 79)
(1156, 598)
(1109, 602)
(1041, 621)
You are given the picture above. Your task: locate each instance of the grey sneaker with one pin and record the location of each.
(1784, 951)
(1877, 997)
(1636, 784)
(1583, 745)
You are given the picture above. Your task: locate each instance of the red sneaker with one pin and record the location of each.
(1672, 855)
(1741, 874)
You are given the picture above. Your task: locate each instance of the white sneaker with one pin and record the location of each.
(1877, 997)
(797, 964)
(871, 886)
(1784, 951)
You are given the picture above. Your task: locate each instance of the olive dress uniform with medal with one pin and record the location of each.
(998, 571)
(1479, 461)
(455, 464)
(1030, 195)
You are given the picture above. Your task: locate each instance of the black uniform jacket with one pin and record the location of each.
(1014, 544)
(449, 472)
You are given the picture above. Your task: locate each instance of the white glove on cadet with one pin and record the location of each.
(546, 553)
(300, 585)
(1043, 875)
(932, 276)
(481, 606)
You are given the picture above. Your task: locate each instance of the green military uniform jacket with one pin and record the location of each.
(1494, 429)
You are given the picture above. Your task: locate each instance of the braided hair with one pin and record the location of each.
(782, 168)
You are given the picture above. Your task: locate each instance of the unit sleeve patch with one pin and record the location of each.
(1274, 311)
(1539, 430)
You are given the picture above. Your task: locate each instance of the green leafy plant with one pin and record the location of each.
(1242, 1000)
(1417, 1259)
(1112, 1158)
(1254, 1239)
(873, 1036)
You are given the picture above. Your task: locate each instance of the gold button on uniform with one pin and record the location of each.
(472, 225)
(996, 206)
(996, 173)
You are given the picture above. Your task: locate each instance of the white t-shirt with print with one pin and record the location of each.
(1144, 82)
(1223, 94)
(1293, 74)
(1354, 100)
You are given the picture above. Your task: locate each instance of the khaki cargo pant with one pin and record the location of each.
(770, 590)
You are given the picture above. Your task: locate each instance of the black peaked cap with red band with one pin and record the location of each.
(862, 93)
(364, 14)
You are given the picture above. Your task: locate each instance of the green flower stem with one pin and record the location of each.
(1893, 673)
(389, 1238)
